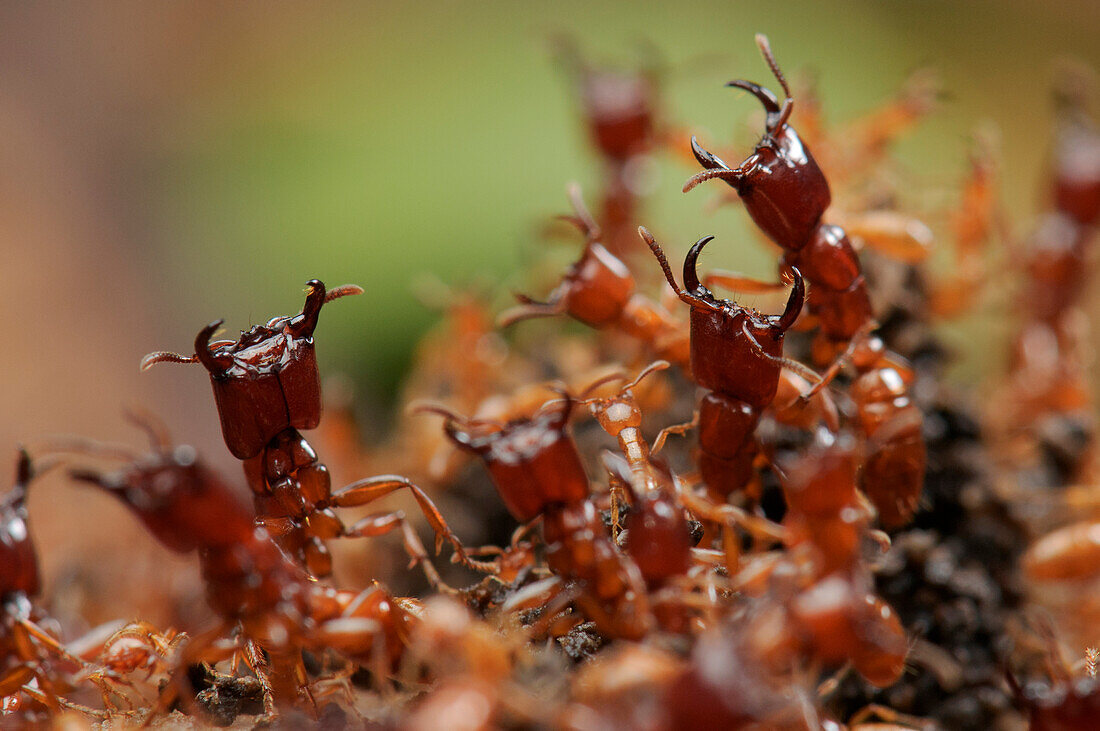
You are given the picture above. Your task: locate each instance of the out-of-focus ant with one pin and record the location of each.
(25, 646)
(267, 387)
(599, 291)
(250, 583)
(786, 194)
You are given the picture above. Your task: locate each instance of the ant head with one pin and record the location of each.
(267, 348)
(533, 462)
(267, 380)
(264, 348)
(701, 293)
(782, 186)
(518, 440)
(181, 502)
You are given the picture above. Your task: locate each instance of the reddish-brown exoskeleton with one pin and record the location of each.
(250, 583)
(26, 648)
(621, 113)
(736, 355)
(657, 535)
(786, 194)
(267, 387)
(1049, 354)
(537, 470)
(599, 291)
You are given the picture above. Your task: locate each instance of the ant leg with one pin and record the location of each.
(529, 309)
(254, 659)
(379, 524)
(16, 678)
(737, 282)
(889, 715)
(899, 237)
(680, 429)
(726, 514)
(44, 698)
(840, 361)
(829, 686)
(42, 638)
(373, 488)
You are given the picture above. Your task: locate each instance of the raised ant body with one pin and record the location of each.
(250, 583)
(267, 387)
(736, 355)
(538, 472)
(786, 194)
(599, 291)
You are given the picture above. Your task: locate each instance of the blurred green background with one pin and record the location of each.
(163, 164)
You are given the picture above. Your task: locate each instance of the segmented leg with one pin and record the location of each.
(366, 491)
(379, 524)
(678, 429)
(737, 282)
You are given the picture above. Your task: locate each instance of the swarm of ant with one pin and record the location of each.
(821, 534)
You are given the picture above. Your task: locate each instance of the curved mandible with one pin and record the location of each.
(766, 96)
(691, 274)
(215, 364)
(794, 303)
(707, 158)
(304, 325)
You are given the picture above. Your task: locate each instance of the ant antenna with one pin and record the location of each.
(583, 217)
(788, 104)
(766, 50)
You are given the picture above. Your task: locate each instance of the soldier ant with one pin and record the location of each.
(538, 472)
(786, 194)
(736, 355)
(267, 387)
(598, 290)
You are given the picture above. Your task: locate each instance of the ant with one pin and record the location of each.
(537, 470)
(252, 585)
(736, 355)
(24, 643)
(598, 290)
(1048, 360)
(267, 387)
(786, 194)
(621, 110)
(657, 536)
